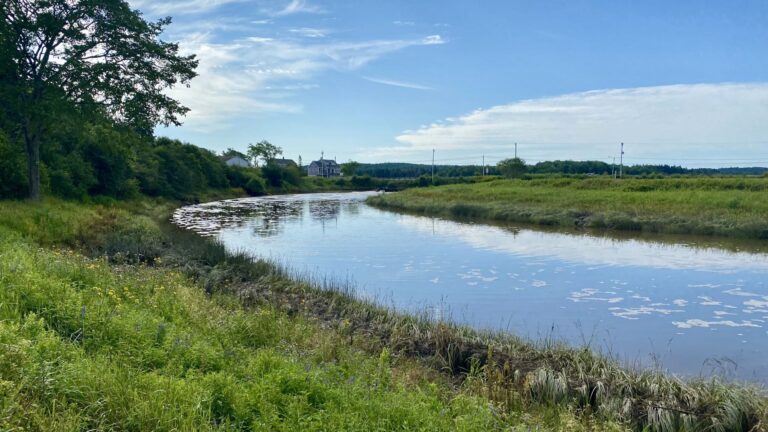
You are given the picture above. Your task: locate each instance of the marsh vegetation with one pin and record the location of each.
(723, 206)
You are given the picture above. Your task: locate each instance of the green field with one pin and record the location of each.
(727, 206)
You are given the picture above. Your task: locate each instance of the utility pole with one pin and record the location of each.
(613, 167)
(621, 166)
(482, 173)
(433, 166)
(515, 150)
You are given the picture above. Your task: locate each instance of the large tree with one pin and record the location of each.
(512, 168)
(264, 150)
(99, 56)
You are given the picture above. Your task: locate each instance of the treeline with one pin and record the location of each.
(602, 168)
(407, 170)
(83, 157)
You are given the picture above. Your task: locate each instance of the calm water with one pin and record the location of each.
(690, 308)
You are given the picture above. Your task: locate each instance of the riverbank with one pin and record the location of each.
(103, 305)
(111, 319)
(728, 206)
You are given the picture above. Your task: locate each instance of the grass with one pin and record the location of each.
(727, 206)
(110, 320)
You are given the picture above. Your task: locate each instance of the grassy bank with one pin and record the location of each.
(110, 319)
(728, 206)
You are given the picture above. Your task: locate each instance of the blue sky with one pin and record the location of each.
(682, 82)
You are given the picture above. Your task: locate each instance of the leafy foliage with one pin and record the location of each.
(512, 168)
(350, 168)
(264, 151)
(100, 58)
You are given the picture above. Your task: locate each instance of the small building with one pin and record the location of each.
(324, 168)
(284, 163)
(238, 162)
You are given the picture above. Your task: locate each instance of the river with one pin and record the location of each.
(681, 304)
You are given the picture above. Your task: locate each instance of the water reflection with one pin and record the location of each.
(586, 248)
(691, 305)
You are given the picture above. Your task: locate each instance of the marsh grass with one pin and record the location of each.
(727, 206)
(101, 341)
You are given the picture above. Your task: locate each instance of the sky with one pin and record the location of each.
(683, 82)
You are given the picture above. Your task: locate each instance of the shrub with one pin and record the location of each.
(255, 186)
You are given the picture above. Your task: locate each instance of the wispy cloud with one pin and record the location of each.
(259, 73)
(164, 7)
(667, 123)
(397, 83)
(403, 23)
(434, 40)
(310, 32)
(298, 6)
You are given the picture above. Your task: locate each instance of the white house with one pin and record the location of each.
(324, 168)
(238, 162)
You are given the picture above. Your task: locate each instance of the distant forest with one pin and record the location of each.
(407, 170)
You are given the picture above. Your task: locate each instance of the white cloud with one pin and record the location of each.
(658, 124)
(178, 7)
(155, 7)
(298, 6)
(403, 23)
(433, 40)
(397, 83)
(310, 32)
(258, 74)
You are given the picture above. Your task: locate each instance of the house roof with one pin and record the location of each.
(229, 158)
(327, 162)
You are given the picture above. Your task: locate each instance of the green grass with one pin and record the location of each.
(112, 319)
(107, 323)
(728, 206)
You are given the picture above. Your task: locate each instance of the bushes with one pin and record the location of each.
(277, 176)
(90, 158)
(255, 186)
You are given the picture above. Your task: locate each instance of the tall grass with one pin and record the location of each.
(728, 206)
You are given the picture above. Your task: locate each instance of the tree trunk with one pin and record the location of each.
(32, 141)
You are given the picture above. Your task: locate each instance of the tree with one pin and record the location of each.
(349, 168)
(512, 168)
(99, 56)
(263, 150)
